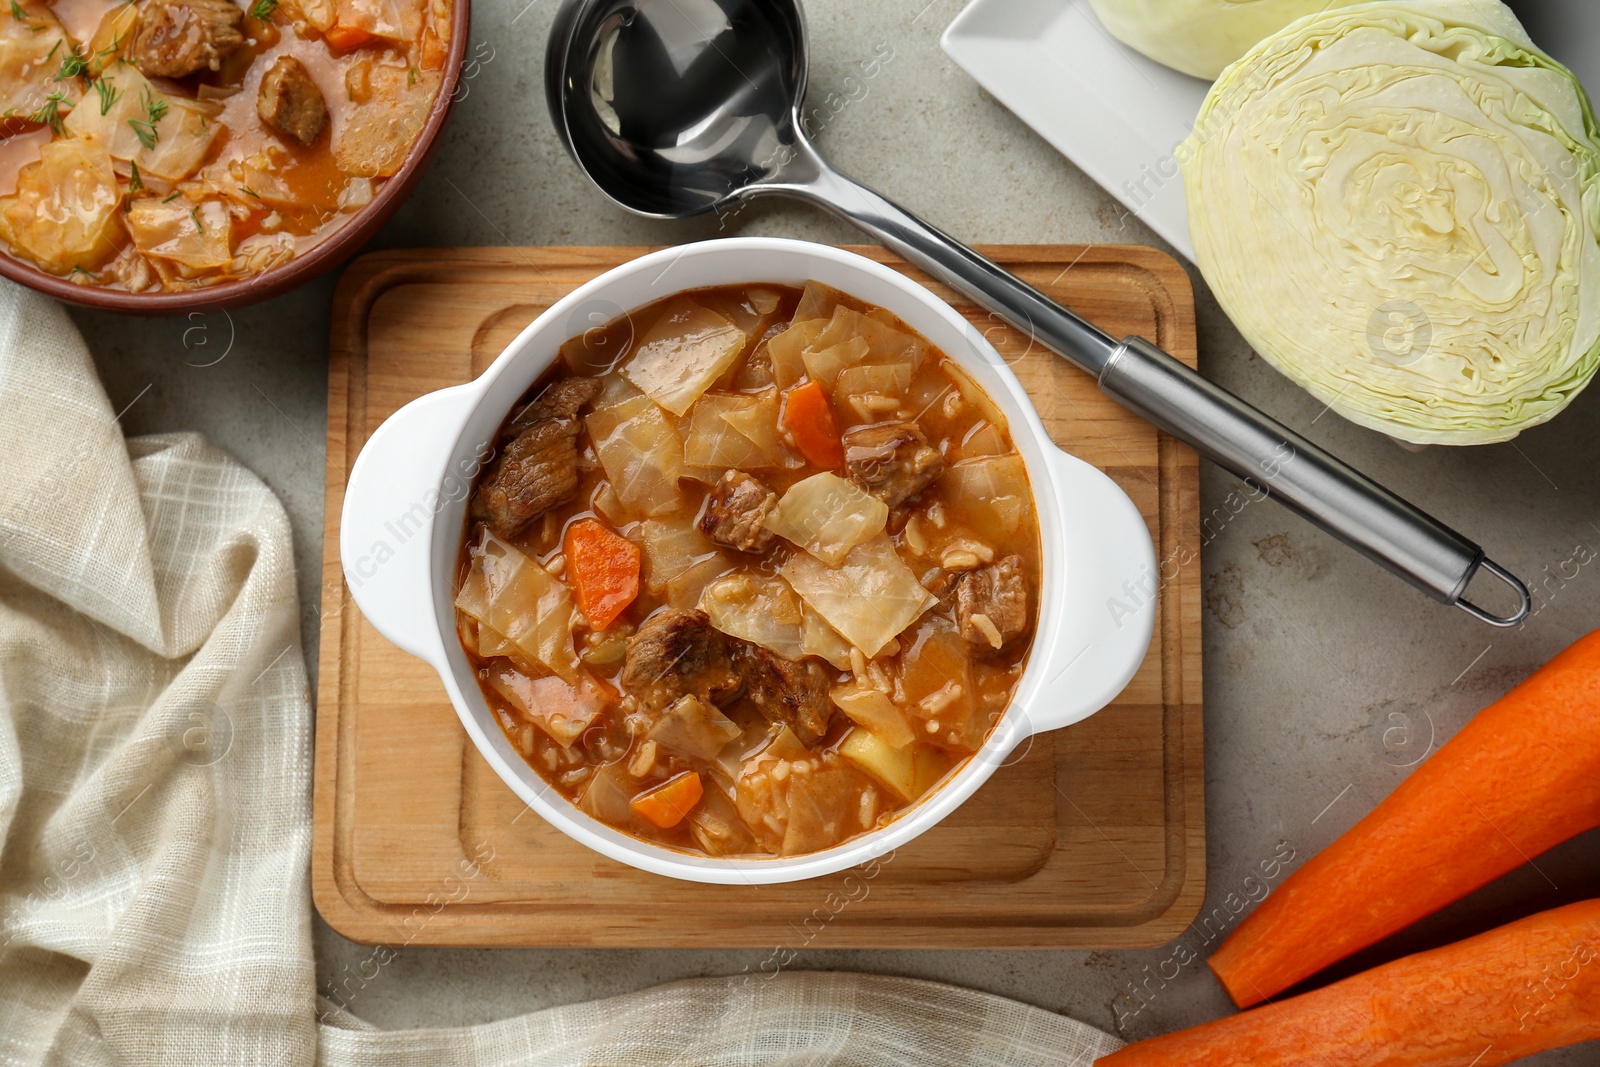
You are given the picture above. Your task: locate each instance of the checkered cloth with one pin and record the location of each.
(155, 794)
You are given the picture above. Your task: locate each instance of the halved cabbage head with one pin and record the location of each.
(1201, 37)
(1397, 204)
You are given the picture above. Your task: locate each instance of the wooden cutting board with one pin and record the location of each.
(1094, 837)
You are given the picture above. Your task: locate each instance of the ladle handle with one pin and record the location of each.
(1141, 377)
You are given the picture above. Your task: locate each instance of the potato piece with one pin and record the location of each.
(64, 213)
(192, 238)
(941, 698)
(374, 138)
(907, 772)
(31, 49)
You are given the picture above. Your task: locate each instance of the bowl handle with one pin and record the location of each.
(1110, 590)
(397, 488)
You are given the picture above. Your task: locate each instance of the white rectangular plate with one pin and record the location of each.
(1113, 112)
(1119, 116)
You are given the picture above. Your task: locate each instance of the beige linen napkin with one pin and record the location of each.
(155, 797)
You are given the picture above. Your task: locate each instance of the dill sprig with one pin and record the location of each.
(49, 113)
(73, 63)
(145, 128)
(135, 180)
(108, 94)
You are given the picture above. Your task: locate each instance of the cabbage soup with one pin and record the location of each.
(751, 570)
(175, 144)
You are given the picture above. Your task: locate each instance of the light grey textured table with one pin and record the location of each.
(1324, 677)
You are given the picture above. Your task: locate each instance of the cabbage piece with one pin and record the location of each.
(880, 379)
(872, 709)
(693, 728)
(818, 301)
(641, 452)
(734, 430)
(993, 492)
(166, 136)
(317, 14)
(1200, 37)
(886, 343)
(182, 137)
(752, 311)
(717, 828)
(394, 20)
(513, 595)
(824, 364)
(787, 350)
(64, 213)
(192, 238)
(869, 598)
(1398, 205)
(110, 39)
(759, 423)
(683, 353)
(823, 640)
(30, 55)
(559, 708)
(763, 611)
(828, 516)
(795, 803)
(679, 561)
(608, 796)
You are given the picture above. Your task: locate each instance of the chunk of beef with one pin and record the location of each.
(675, 653)
(290, 102)
(891, 460)
(538, 468)
(992, 604)
(789, 693)
(736, 510)
(176, 38)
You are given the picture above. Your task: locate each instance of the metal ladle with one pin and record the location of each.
(675, 108)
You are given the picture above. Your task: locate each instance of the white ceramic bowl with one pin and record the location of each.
(404, 507)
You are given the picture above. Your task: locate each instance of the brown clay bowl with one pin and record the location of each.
(340, 245)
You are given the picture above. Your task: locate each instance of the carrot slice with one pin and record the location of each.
(1529, 986)
(344, 38)
(603, 570)
(1516, 781)
(809, 419)
(668, 803)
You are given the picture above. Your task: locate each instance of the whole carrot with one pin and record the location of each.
(1518, 780)
(1492, 999)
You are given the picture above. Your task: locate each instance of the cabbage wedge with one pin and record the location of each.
(1397, 204)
